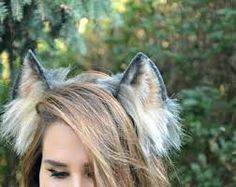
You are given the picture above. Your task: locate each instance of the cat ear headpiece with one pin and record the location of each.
(142, 93)
(20, 117)
(140, 90)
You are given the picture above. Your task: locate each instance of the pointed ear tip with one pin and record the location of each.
(139, 57)
(141, 54)
(29, 54)
(30, 57)
(30, 60)
(30, 51)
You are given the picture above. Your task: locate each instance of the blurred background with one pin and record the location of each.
(193, 43)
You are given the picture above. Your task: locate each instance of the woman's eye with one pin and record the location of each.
(58, 174)
(90, 174)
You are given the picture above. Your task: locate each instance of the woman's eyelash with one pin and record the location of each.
(89, 174)
(58, 174)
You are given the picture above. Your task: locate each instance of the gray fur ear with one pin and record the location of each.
(143, 95)
(145, 79)
(33, 77)
(30, 76)
(21, 117)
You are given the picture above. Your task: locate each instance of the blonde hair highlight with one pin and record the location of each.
(105, 129)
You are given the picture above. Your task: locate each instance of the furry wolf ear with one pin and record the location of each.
(20, 118)
(31, 77)
(143, 95)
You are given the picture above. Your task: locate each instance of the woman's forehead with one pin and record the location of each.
(62, 144)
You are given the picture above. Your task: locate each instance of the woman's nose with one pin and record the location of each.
(76, 181)
(79, 181)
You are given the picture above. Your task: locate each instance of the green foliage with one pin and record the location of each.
(3, 11)
(4, 168)
(47, 20)
(208, 156)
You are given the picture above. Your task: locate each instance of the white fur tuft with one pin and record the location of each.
(20, 120)
(158, 128)
(159, 131)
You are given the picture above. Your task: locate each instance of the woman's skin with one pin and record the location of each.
(65, 160)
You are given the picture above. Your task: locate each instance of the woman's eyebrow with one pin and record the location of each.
(87, 165)
(55, 163)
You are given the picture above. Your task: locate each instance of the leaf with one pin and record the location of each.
(195, 167)
(17, 9)
(74, 39)
(3, 11)
(202, 159)
(27, 2)
(190, 102)
(227, 12)
(216, 35)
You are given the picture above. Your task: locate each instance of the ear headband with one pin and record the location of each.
(142, 93)
(140, 90)
(20, 116)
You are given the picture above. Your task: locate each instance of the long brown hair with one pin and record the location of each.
(105, 129)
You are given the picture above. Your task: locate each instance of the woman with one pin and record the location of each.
(93, 129)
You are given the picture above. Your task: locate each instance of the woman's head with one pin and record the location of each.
(92, 130)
